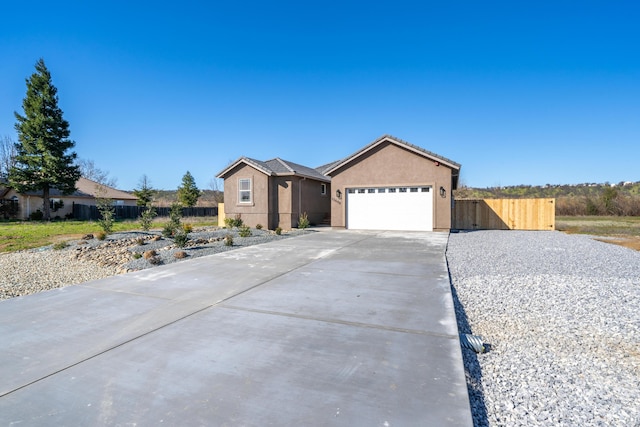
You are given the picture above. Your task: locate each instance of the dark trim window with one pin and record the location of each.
(244, 190)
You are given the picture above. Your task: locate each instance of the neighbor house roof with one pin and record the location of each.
(277, 167)
(332, 167)
(89, 189)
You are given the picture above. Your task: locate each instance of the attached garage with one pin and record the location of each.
(390, 208)
(393, 185)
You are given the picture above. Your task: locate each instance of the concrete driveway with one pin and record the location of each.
(333, 328)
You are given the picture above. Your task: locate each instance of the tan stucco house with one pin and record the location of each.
(85, 194)
(389, 184)
(275, 193)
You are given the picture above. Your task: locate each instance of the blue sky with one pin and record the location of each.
(517, 92)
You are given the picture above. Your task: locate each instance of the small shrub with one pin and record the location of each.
(244, 231)
(180, 239)
(155, 260)
(137, 255)
(233, 222)
(101, 235)
(60, 245)
(187, 228)
(169, 230)
(107, 213)
(180, 255)
(87, 237)
(36, 216)
(140, 241)
(228, 240)
(278, 231)
(146, 217)
(258, 226)
(303, 221)
(149, 254)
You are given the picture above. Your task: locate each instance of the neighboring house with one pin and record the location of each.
(389, 184)
(62, 205)
(275, 193)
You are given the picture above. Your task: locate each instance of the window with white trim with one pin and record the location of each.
(244, 190)
(323, 189)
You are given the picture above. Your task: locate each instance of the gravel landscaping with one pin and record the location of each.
(41, 269)
(561, 315)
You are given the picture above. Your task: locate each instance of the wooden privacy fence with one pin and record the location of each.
(87, 212)
(505, 214)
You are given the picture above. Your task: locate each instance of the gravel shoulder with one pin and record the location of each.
(35, 270)
(561, 315)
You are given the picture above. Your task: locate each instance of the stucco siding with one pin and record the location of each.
(255, 212)
(391, 165)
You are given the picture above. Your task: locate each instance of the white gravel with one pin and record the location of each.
(561, 314)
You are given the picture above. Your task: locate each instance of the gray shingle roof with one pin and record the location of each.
(332, 167)
(278, 167)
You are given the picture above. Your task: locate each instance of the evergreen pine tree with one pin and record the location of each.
(42, 162)
(188, 192)
(145, 193)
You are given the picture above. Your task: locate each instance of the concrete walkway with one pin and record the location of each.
(333, 328)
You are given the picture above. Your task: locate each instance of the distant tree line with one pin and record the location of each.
(622, 199)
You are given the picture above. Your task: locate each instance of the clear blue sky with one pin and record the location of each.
(544, 92)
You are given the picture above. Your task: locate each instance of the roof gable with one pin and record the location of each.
(276, 167)
(332, 167)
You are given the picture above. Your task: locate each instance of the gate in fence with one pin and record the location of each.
(505, 214)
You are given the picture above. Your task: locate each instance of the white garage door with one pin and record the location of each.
(390, 208)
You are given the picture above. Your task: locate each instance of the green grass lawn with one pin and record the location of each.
(19, 235)
(625, 229)
(600, 225)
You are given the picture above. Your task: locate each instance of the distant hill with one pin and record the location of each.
(580, 199)
(208, 198)
(529, 191)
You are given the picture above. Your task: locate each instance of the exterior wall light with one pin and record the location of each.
(443, 192)
(339, 194)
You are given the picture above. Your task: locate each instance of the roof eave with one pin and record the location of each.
(432, 156)
(247, 162)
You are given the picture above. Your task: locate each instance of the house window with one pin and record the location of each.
(382, 190)
(413, 190)
(323, 189)
(403, 189)
(351, 190)
(392, 190)
(425, 189)
(360, 190)
(244, 190)
(371, 190)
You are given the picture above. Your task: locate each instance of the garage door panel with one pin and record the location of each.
(390, 210)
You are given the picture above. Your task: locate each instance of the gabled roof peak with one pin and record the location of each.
(397, 141)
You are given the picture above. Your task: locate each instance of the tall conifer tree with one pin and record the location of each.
(188, 192)
(42, 161)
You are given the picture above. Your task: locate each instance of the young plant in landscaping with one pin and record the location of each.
(146, 217)
(303, 221)
(180, 239)
(244, 231)
(106, 209)
(228, 240)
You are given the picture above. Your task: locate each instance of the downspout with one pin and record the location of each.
(300, 196)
